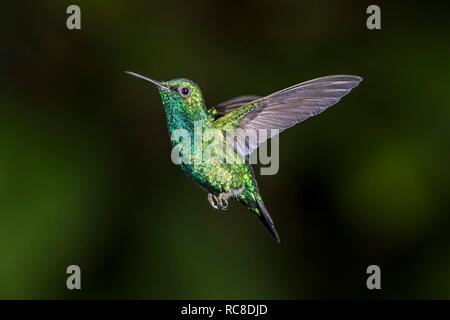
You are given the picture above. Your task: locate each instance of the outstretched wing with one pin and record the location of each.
(232, 104)
(284, 109)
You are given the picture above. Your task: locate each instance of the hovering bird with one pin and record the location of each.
(184, 105)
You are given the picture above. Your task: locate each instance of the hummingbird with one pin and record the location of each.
(184, 105)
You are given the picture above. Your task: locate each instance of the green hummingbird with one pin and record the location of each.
(184, 106)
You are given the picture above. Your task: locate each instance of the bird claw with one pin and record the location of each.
(218, 202)
(221, 201)
(212, 202)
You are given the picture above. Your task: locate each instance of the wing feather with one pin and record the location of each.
(284, 109)
(227, 106)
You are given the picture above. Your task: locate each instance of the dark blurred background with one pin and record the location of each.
(86, 176)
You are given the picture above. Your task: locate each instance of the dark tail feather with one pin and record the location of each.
(267, 221)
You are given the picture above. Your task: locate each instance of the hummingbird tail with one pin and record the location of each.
(267, 221)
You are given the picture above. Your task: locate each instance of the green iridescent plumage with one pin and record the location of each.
(185, 109)
(216, 178)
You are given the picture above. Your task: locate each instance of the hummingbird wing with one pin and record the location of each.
(283, 109)
(227, 106)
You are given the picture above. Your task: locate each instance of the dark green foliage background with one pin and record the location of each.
(86, 176)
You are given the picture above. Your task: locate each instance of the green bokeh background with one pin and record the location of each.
(86, 176)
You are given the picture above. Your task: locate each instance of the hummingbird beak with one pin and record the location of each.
(160, 85)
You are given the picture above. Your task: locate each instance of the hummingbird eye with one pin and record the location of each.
(184, 91)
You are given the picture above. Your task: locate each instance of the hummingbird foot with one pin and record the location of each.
(217, 202)
(221, 201)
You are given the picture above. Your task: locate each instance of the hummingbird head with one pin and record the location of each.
(179, 95)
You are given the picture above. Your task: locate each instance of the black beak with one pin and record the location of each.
(160, 85)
